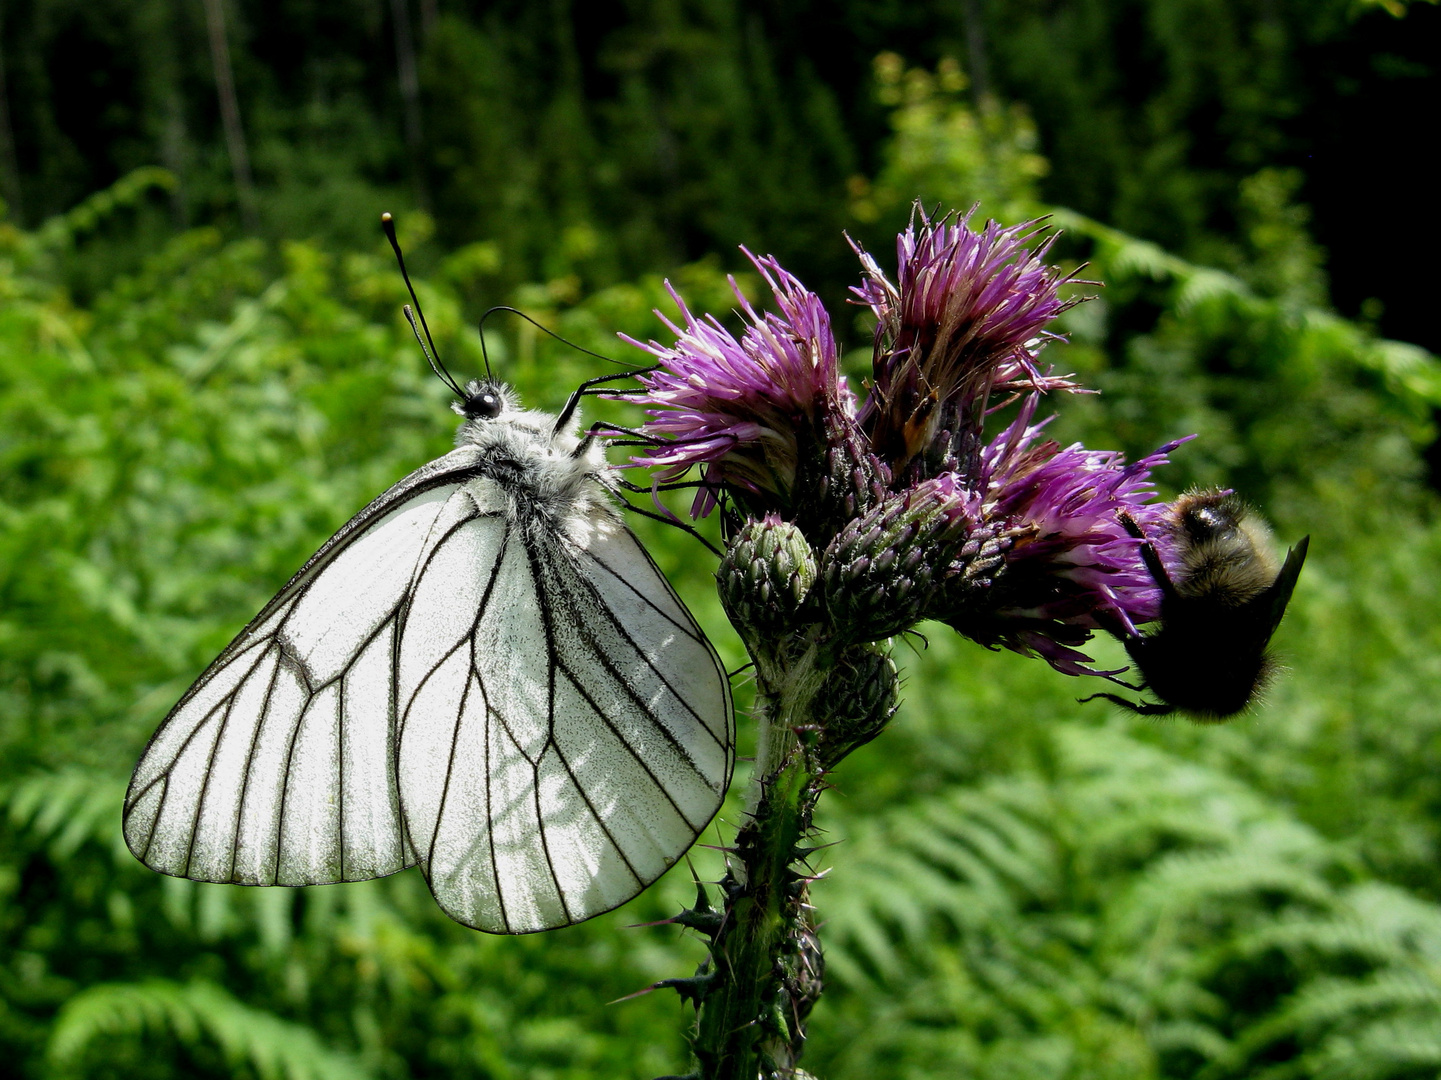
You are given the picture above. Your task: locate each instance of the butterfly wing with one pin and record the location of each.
(521, 704)
(565, 728)
(278, 766)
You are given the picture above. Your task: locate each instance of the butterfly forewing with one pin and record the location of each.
(278, 766)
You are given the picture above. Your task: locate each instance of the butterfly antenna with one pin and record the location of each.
(543, 330)
(484, 353)
(427, 343)
(430, 356)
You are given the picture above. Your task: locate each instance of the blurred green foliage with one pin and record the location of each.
(1022, 887)
(609, 140)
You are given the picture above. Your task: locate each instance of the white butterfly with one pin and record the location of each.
(482, 673)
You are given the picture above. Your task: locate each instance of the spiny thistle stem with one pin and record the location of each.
(765, 957)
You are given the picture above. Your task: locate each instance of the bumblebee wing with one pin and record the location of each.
(278, 766)
(1278, 596)
(565, 727)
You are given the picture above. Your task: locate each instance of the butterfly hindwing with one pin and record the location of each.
(583, 718)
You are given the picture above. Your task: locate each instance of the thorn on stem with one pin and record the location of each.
(692, 989)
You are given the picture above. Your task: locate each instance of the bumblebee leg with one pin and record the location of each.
(1148, 555)
(1145, 708)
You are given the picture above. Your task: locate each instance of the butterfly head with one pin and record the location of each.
(485, 400)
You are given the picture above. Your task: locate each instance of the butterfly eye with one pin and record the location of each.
(482, 406)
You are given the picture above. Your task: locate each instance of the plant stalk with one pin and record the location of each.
(765, 959)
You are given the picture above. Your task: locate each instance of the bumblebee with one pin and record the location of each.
(1208, 655)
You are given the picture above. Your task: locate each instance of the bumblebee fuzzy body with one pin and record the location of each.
(1208, 655)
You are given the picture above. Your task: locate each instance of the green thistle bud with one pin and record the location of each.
(766, 577)
(880, 570)
(840, 480)
(862, 696)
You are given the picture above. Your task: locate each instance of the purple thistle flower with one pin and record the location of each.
(910, 513)
(966, 319)
(745, 411)
(1071, 567)
(883, 568)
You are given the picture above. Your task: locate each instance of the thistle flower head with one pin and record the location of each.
(744, 411)
(847, 527)
(966, 318)
(908, 511)
(765, 577)
(1071, 567)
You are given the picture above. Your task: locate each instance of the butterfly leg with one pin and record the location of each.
(675, 523)
(638, 437)
(589, 387)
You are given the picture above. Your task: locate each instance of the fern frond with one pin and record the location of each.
(1373, 922)
(1392, 1049)
(962, 859)
(1200, 1039)
(191, 1013)
(1333, 1007)
(1206, 882)
(1129, 889)
(62, 810)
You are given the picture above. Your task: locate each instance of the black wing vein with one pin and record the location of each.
(691, 631)
(475, 623)
(595, 814)
(548, 626)
(205, 784)
(620, 628)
